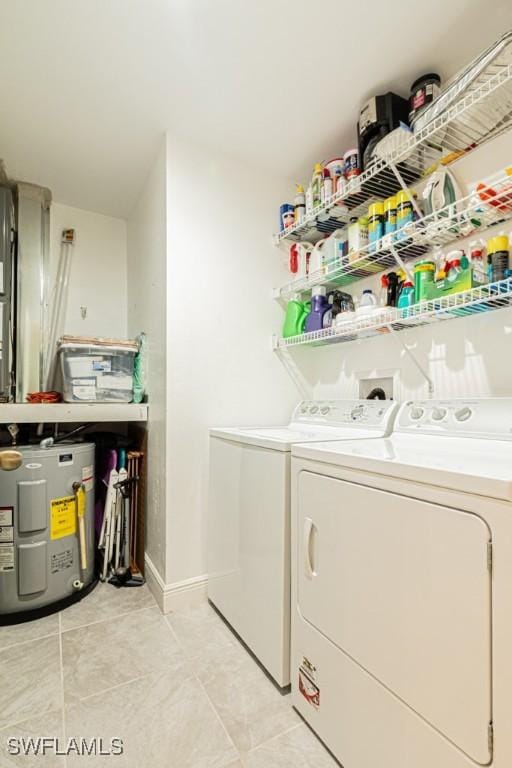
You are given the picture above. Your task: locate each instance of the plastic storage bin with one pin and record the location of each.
(97, 371)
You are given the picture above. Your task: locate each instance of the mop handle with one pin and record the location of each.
(79, 490)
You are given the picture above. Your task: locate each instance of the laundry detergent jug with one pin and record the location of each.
(295, 317)
(319, 308)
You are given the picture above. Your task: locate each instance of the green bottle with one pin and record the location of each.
(295, 318)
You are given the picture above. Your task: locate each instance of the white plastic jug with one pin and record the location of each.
(317, 259)
(334, 245)
(303, 251)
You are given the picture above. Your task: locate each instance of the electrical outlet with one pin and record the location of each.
(367, 384)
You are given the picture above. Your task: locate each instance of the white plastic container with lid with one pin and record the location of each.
(97, 370)
(368, 299)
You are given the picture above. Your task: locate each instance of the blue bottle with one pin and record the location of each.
(319, 308)
(406, 298)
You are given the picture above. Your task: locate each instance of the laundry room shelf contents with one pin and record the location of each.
(387, 320)
(482, 112)
(489, 204)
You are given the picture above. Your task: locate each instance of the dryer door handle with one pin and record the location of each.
(308, 544)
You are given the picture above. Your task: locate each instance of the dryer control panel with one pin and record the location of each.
(350, 413)
(478, 417)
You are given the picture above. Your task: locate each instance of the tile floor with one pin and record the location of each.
(180, 690)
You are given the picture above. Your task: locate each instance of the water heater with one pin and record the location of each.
(46, 528)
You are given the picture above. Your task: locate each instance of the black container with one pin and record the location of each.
(424, 91)
(379, 116)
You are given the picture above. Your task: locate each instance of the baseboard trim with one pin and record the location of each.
(177, 596)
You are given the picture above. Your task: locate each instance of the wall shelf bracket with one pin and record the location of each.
(413, 358)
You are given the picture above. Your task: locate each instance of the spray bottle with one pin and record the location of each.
(478, 262)
(316, 185)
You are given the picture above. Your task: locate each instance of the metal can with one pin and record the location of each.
(498, 253)
(352, 166)
(375, 224)
(424, 273)
(389, 215)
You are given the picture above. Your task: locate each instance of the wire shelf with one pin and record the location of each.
(467, 216)
(388, 320)
(481, 114)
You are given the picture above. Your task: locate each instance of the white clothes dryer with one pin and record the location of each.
(249, 518)
(402, 589)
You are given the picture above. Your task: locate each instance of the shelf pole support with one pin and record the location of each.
(400, 261)
(412, 357)
(402, 183)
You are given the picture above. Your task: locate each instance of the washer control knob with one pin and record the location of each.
(324, 410)
(356, 412)
(313, 409)
(417, 412)
(438, 414)
(463, 414)
(304, 409)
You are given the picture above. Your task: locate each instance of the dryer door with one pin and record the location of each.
(402, 587)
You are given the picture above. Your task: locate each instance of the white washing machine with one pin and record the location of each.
(249, 518)
(402, 589)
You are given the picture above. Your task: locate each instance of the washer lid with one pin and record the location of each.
(482, 467)
(319, 420)
(282, 438)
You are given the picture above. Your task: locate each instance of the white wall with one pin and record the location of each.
(201, 268)
(221, 368)
(147, 278)
(464, 357)
(98, 271)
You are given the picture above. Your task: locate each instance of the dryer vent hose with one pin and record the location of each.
(377, 393)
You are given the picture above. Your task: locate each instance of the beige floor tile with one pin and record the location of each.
(30, 681)
(201, 630)
(102, 655)
(30, 630)
(49, 725)
(298, 748)
(251, 707)
(164, 723)
(106, 602)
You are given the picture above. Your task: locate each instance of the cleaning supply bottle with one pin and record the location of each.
(498, 252)
(405, 211)
(295, 317)
(319, 306)
(368, 301)
(327, 186)
(375, 225)
(299, 204)
(406, 298)
(392, 281)
(453, 265)
(424, 274)
(309, 200)
(478, 262)
(383, 292)
(316, 185)
(389, 215)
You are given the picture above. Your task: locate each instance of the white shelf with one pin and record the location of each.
(487, 298)
(481, 115)
(59, 413)
(468, 216)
